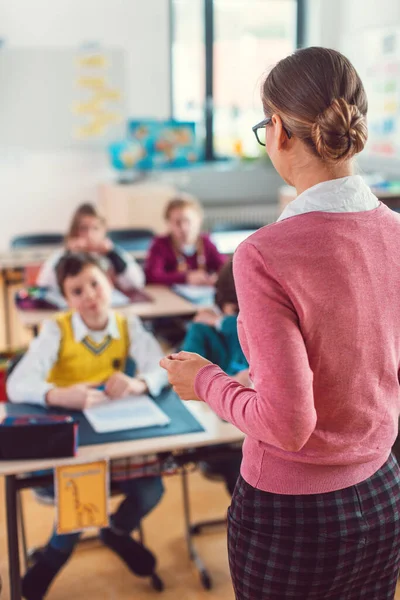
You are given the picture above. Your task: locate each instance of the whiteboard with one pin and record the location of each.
(61, 98)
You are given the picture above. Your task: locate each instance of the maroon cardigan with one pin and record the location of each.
(162, 265)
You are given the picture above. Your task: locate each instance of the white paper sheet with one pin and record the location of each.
(132, 412)
(198, 294)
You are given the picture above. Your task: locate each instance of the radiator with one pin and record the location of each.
(253, 214)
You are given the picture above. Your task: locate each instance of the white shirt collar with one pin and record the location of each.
(80, 330)
(347, 194)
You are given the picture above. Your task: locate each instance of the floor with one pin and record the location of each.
(94, 573)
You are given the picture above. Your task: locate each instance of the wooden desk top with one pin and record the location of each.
(216, 432)
(165, 304)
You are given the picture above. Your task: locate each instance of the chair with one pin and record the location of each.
(40, 239)
(132, 239)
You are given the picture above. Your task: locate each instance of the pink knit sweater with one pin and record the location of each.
(319, 323)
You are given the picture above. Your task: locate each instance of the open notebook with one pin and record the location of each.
(132, 412)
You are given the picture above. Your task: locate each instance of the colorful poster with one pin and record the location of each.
(156, 144)
(98, 107)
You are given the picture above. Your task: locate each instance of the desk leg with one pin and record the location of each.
(12, 536)
(204, 576)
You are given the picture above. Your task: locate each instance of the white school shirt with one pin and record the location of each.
(28, 381)
(346, 194)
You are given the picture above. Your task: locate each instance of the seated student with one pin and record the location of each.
(88, 233)
(184, 255)
(75, 354)
(213, 334)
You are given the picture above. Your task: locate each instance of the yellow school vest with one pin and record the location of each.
(86, 361)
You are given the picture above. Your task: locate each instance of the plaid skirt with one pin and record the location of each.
(342, 545)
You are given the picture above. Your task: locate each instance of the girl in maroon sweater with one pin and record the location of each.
(184, 255)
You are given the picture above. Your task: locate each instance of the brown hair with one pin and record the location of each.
(225, 291)
(320, 97)
(84, 210)
(180, 202)
(73, 263)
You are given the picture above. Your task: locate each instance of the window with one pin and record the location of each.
(220, 51)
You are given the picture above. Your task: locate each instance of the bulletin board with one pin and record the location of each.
(377, 58)
(56, 98)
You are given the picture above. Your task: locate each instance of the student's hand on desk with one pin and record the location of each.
(120, 385)
(198, 277)
(102, 247)
(182, 369)
(208, 316)
(75, 397)
(77, 245)
(212, 278)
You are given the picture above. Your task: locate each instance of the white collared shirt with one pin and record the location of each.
(346, 194)
(28, 381)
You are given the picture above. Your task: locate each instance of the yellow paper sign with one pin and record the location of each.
(82, 493)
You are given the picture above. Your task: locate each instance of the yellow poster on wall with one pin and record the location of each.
(99, 98)
(82, 494)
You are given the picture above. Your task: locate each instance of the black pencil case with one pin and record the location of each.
(33, 437)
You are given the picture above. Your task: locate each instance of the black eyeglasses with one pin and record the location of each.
(262, 125)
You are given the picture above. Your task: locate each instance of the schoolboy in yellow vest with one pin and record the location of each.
(74, 355)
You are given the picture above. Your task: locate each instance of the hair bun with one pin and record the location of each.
(340, 131)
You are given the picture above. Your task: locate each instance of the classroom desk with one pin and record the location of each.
(165, 303)
(17, 259)
(215, 432)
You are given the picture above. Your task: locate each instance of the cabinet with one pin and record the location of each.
(135, 205)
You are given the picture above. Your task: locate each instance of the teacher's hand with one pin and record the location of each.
(182, 369)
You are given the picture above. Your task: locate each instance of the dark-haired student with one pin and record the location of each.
(74, 355)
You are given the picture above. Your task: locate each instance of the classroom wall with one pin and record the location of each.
(40, 190)
(340, 25)
(323, 22)
(337, 24)
(141, 27)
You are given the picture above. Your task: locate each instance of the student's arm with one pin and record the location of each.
(27, 382)
(228, 327)
(147, 353)
(155, 267)
(129, 273)
(197, 339)
(47, 274)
